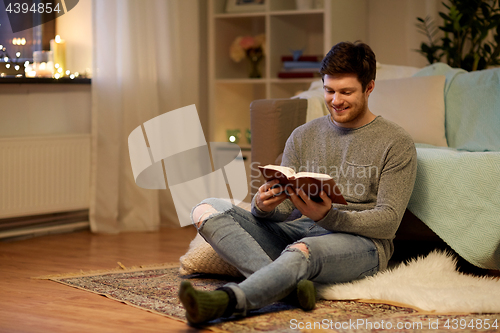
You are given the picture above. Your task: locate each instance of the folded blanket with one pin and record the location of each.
(457, 194)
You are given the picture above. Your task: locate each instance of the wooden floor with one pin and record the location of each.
(28, 305)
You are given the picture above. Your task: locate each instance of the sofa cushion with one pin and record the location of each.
(389, 72)
(472, 102)
(416, 104)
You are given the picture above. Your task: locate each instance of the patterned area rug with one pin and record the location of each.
(155, 290)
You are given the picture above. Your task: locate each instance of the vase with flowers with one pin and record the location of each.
(253, 49)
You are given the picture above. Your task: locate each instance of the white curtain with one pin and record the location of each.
(146, 62)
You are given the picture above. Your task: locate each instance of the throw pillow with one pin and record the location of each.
(416, 104)
(202, 258)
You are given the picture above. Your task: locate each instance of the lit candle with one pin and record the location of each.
(44, 69)
(43, 64)
(58, 48)
(28, 69)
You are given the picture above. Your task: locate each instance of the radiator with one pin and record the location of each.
(40, 175)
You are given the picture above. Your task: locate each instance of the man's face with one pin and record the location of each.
(346, 100)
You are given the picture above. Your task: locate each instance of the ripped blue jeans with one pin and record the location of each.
(261, 250)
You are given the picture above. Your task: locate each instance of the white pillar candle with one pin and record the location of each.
(58, 48)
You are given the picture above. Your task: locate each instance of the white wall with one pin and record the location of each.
(392, 31)
(75, 27)
(52, 109)
(44, 109)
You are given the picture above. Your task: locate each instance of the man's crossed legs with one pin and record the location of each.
(277, 259)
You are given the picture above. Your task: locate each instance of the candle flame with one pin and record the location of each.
(58, 39)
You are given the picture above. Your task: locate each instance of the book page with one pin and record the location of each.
(319, 176)
(288, 172)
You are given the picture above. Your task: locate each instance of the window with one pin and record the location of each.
(18, 47)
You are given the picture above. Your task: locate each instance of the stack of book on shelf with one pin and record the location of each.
(305, 66)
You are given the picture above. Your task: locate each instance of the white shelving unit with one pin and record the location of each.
(314, 30)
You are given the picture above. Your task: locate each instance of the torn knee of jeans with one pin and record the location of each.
(201, 213)
(302, 247)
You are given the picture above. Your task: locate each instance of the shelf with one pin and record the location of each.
(295, 32)
(40, 80)
(296, 12)
(239, 15)
(291, 5)
(264, 81)
(294, 81)
(241, 81)
(270, 13)
(227, 29)
(286, 28)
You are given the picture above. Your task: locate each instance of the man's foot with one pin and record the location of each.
(202, 306)
(304, 295)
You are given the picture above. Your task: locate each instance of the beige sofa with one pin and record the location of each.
(453, 117)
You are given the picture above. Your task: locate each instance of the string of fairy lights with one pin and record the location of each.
(18, 66)
(9, 61)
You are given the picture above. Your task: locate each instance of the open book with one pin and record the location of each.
(311, 183)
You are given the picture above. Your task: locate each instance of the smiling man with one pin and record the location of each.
(283, 257)
(347, 100)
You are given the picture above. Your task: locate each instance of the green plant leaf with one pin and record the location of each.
(445, 17)
(485, 9)
(471, 34)
(487, 48)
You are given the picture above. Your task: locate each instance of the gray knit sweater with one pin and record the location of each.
(374, 166)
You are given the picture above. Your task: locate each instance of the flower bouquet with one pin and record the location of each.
(252, 48)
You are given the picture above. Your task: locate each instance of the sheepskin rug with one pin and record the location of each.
(430, 283)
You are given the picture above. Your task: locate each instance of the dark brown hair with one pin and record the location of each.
(350, 58)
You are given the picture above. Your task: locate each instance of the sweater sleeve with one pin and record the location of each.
(396, 183)
(283, 210)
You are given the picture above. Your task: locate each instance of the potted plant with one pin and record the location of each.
(471, 35)
(252, 48)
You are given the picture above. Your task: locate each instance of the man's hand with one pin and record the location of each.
(312, 209)
(268, 198)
